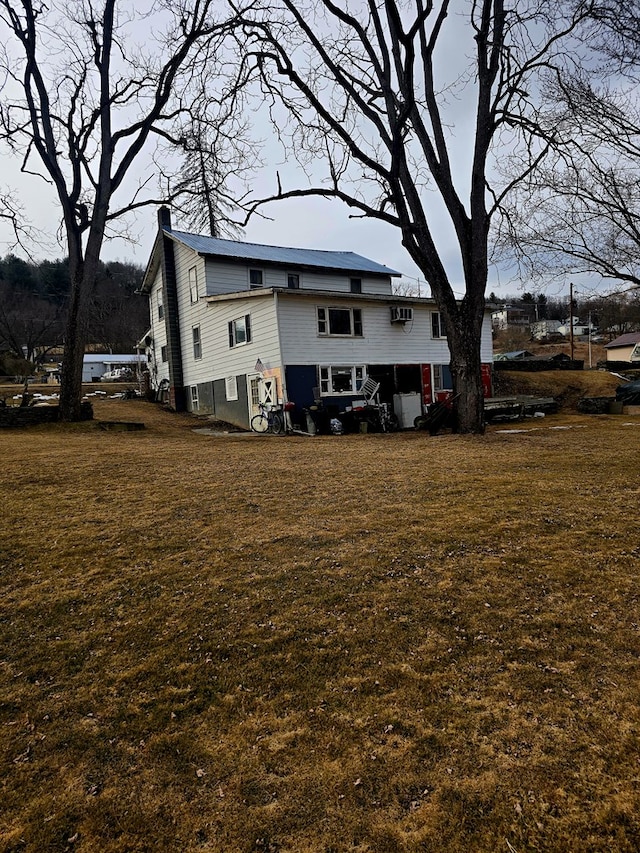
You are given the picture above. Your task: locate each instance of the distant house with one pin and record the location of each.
(544, 329)
(580, 329)
(94, 365)
(235, 325)
(509, 317)
(624, 348)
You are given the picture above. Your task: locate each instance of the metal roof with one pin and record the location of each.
(624, 340)
(109, 358)
(294, 258)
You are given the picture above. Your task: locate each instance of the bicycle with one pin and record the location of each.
(267, 421)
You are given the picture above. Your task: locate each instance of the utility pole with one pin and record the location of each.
(571, 318)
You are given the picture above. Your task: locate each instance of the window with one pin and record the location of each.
(231, 388)
(442, 377)
(240, 331)
(255, 278)
(197, 343)
(436, 326)
(293, 281)
(255, 393)
(160, 311)
(356, 285)
(341, 379)
(193, 284)
(194, 397)
(437, 377)
(163, 353)
(340, 321)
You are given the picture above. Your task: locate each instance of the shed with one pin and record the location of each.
(624, 348)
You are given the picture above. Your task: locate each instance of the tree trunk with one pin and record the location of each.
(463, 325)
(466, 372)
(74, 345)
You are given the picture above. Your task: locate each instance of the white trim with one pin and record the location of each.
(358, 374)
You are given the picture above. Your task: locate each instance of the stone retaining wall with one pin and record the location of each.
(12, 417)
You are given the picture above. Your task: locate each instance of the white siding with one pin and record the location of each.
(225, 277)
(383, 342)
(159, 370)
(218, 358)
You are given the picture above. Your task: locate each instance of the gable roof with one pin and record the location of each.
(289, 257)
(624, 340)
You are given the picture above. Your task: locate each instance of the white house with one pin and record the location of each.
(542, 329)
(580, 329)
(94, 365)
(235, 324)
(509, 317)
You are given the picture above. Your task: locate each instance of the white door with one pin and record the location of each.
(255, 382)
(261, 390)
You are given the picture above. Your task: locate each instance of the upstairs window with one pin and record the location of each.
(293, 281)
(256, 278)
(197, 343)
(437, 330)
(344, 322)
(193, 284)
(355, 285)
(240, 331)
(160, 311)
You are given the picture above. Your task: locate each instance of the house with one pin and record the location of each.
(580, 329)
(509, 317)
(94, 365)
(236, 324)
(542, 329)
(624, 348)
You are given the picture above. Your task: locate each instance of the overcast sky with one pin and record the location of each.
(308, 223)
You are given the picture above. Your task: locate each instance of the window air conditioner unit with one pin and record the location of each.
(400, 314)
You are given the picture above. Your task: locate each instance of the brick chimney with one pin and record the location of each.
(164, 218)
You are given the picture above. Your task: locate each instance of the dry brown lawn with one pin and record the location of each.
(314, 645)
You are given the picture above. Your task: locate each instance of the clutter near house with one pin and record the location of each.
(237, 326)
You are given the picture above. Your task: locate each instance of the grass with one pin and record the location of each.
(353, 643)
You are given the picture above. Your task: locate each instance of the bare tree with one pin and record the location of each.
(377, 89)
(12, 213)
(81, 104)
(214, 156)
(581, 212)
(29, 325)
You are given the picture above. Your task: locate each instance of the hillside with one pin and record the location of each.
(566, 386)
